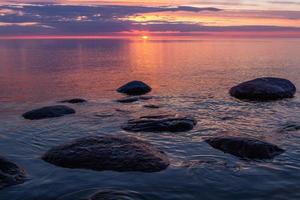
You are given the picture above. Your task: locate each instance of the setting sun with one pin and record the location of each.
(145, 37)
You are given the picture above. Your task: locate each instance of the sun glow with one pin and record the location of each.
(145, 37)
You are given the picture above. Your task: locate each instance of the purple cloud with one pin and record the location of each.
(45, 19)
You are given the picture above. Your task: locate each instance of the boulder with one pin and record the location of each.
(264, 89)
(10, 173)
(74, 101)
(135, 88)
(115, 152)
(163, 123)
(245, 147)
(48, 112)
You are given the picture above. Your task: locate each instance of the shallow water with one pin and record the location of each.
(188, 77)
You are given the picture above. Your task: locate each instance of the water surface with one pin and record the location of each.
(187, 77)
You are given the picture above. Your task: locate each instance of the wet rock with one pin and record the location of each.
(104, 115)
(117, 153)
(264, 89)
(151, 106)
(227, 118)
(74, 101)
(133, 99)
(123, 111)
(245, 147)
(290, 126)
(10, 173)
(48, 112)
(157, 116)
(164, 123)
(135, 88)
(110, 194)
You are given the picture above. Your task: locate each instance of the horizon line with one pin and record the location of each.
(165, 36)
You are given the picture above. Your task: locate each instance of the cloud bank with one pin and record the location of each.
(63, 19)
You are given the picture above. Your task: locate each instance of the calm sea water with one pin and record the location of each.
(188, 77)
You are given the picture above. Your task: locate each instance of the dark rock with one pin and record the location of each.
(151, 106)
(110, 194)
(227, 118)
(128, 100)
(48, 112)
(123, 111)
(133, 99)
(264, 89)
(104, 115)
(74, 101)
(10, 173)
(245, 147)
(164, 123)
(117, 153)
(290, 126)
(157, 116)
(135, 88)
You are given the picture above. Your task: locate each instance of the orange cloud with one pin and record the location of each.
(225, 18)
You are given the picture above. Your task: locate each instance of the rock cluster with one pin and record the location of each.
(124, 153)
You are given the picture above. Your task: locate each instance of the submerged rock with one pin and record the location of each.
(134, 99)
(264, 89)
(245, 147)
(117, 153)
(290, 126)
(162, 123)
(135, 88)
(151, 106)
(48, 112)
(110, 194)
(74, 101)
(10, 173)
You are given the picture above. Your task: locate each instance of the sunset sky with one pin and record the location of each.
(131, 17)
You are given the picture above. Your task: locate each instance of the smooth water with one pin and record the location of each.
(188, 78)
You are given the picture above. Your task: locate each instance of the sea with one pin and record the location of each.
(189, 77)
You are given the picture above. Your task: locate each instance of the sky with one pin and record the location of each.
(278, 18)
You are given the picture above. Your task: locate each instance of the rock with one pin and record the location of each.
(151, 106)
(245, 147)
(117, 153)
(104, 115)
(164, 123)
(48, 112)
(157, 116)
(123, 111)
(10, 173)
(135, 88)
(133, 99)
(110, 194)
(74, 101)
(290, 126)
(227, 118)
(264, 89)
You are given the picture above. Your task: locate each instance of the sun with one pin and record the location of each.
(145, 37)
